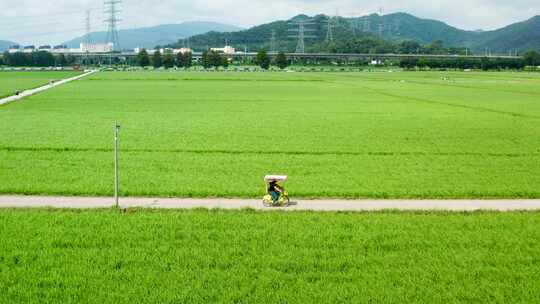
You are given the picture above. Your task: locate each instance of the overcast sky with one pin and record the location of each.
(51, 22)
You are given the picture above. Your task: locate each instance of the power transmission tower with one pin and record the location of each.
(381, 25)
(301, 34)
(354, 23)
(367, 24)
(111, 13)
(87, 39)
(329, 29)
(273, 42)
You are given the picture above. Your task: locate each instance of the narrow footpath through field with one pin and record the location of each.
(309, 205)
(31, 92)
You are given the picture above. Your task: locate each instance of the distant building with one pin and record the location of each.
(229, 50)
(14, 49)
(29, 48)
(162, 51)
(96, 47)
(45, 48)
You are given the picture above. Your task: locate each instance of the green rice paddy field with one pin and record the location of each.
(200, 256)
(10, 82)
(345, 135)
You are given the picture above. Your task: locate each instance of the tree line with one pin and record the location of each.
(210, 59)
(530, 58)
(36, 59)
(167, 60)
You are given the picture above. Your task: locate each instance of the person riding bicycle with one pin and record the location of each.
(275, 190)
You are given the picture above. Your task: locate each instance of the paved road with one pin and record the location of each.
(31, 92)
(314, 205)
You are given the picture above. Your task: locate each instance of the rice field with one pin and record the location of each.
(11, 82)
(343, 135)
(103, 256)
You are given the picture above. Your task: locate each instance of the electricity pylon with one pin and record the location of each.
(302, 33)
(111, 12)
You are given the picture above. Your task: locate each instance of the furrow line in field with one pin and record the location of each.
(256, 152)
(429, 101)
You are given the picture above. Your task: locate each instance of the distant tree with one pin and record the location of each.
(70, 59)
(42, 59)
(157, 61)
(168, 59)
(409, 47)
(205, 60)
(61, 60)
(214, 59)
(262, 59)
(436, 48)
(224, 61)
(143, 59)
(184, 60)
(281, 60)
(532, 58)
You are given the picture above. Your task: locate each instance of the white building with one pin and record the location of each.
(229, 50)
(162, 51)
(96, 47)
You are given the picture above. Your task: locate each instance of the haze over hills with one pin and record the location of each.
(395, 27)
(149, 37)
(4, 45)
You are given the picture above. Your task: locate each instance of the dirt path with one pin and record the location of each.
(31, 92)
(314, 205)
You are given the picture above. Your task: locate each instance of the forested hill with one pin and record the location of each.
(393, 27)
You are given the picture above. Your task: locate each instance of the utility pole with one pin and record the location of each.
(116, 173)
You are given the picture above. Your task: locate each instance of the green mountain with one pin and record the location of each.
(4, 45)
(149, 37)
(522, 36)
(393, 27)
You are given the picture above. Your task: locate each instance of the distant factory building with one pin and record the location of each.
(96, 47)
(14, 49)
(229, 50)
(29, 48)
(164, 50)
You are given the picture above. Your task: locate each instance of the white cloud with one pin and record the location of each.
(39, 21)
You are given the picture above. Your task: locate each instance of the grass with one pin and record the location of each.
(347, 135)
(10, 82)
(267, 257)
